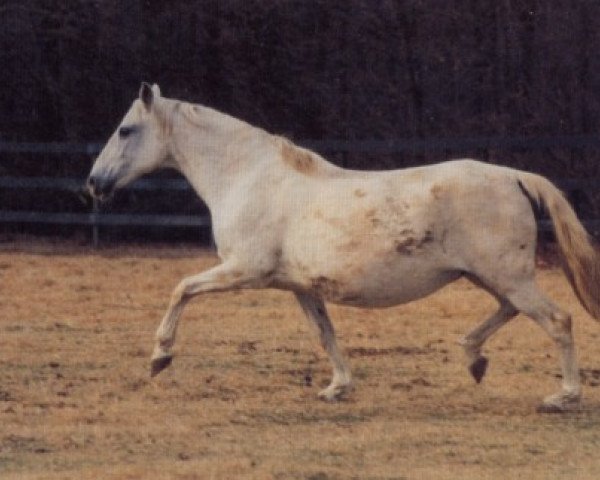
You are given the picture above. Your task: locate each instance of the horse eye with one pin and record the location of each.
(124, 132)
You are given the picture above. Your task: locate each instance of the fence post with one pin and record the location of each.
(91, 150)
(95, 226)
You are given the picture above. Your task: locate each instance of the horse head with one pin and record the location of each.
(138, 146)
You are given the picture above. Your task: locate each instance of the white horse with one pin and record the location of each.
(285, 218)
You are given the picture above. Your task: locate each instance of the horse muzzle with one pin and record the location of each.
(101, 187)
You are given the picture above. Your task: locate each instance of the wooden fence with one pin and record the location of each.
(96, 217)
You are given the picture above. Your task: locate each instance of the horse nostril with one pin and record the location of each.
(100, 187)
(91, 184)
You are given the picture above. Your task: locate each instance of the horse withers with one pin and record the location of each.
(285, 218)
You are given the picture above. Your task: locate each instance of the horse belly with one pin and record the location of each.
(383, 288)
(364, 279)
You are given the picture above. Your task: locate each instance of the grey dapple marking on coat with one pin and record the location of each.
(285, 218)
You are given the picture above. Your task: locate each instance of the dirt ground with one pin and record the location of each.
(240, 400)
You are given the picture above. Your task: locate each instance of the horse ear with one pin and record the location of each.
(147, 95)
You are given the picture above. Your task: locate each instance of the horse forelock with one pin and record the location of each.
(137, 111)
(163, 112)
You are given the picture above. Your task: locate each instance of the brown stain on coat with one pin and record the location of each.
(410, 243)
(299, 159)
(371, 216)
(436, 192)
(325, 287)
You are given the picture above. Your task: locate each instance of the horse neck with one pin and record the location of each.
(215, 151)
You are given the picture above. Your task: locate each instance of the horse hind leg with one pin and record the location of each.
(557, 324)
(474, 340)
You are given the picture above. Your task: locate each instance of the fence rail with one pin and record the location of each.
(97, 218)
(394, 145)
(100, 219)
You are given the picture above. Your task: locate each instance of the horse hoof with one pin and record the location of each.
(335, 393)
(159, 364)
(560, 403)
(546, 408)
(478, 368)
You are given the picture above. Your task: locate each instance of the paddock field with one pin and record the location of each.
(76, 400)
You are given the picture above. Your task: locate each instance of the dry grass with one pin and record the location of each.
(76, 401)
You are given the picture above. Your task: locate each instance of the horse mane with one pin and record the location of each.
(191, 112)
(164, 112)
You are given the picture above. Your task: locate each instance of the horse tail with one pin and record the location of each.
(580, 260)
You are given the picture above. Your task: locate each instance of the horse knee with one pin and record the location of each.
(562, 321)
(180, 294)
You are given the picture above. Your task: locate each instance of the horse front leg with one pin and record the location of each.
(218, 279)
(315, 311)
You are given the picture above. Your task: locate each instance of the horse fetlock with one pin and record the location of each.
(477, 363)
(164, 342)
(336, 391)
(340, 386)
(161, 359)
(343, 379)
(471, 347)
